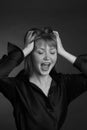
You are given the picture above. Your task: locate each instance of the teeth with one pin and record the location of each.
(45, 63)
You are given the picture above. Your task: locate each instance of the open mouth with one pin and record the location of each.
(45, 66)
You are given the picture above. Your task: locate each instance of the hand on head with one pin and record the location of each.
(60, 47)
(29, 37)
(29, 43)
(33, 34)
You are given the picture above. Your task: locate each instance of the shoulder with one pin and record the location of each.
(21, 77)
(57, 76)
(63, 77)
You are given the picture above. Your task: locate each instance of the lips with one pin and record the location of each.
(45, 66)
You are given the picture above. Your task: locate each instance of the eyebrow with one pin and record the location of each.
(40, 48)
(52, 47)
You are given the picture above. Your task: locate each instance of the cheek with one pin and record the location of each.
(36, 59)
(54, 59)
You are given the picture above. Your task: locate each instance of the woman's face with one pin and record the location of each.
(44, 57)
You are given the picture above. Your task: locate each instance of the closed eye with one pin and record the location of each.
(53, 51)
(40, 51)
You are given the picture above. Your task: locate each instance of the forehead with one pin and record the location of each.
(39, 43)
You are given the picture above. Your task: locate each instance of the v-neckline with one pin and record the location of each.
(40, 90)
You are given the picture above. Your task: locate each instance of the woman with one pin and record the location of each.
(40, 96)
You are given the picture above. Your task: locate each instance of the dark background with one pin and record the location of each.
(66, 16)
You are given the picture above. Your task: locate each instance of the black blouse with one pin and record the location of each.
(33, 110)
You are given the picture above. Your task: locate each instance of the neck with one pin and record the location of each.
(40, 80)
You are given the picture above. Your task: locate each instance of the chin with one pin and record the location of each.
(44, 73)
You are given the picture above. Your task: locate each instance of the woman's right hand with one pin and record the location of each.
(29, 43)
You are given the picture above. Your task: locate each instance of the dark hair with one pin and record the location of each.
(46, 34)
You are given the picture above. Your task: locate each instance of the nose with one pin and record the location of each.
(46, 57)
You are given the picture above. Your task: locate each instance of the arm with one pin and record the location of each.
(79, 62)
(10, 61)
(15, 55)
(7, 64)
(61, 51)
(75, 84)
(71, 58)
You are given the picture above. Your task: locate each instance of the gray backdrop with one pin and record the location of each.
(66, 16)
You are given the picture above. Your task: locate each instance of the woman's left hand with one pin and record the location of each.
(71, 58)
(60, 47)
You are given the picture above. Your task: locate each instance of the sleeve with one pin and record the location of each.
(7, 64)
(8, 88)
(76, 84)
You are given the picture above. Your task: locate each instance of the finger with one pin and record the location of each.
(30, 37)
(56, 33)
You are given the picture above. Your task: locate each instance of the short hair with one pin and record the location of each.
(45, 34)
